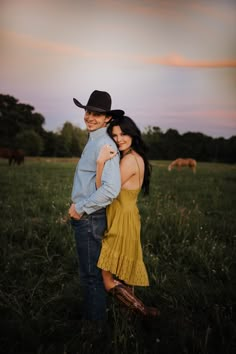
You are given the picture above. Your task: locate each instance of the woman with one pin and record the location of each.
(121, 253)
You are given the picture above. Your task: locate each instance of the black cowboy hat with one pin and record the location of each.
(100, 101)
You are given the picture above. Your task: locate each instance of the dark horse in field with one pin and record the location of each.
(13, 155)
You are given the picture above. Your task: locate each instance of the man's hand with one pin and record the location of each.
(73, 213)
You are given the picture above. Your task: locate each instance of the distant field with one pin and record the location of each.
(188, 237)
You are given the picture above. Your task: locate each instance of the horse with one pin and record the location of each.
(5, 153)
(13, 155)
(18, 157)
(191, 163)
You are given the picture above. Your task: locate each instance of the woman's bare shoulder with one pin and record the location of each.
(128, 158)
(132, 159)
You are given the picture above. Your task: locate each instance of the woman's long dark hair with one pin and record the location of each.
(128, 127)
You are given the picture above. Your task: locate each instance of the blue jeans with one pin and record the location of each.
(89, 231)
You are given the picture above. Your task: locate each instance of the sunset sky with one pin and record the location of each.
(167, 63)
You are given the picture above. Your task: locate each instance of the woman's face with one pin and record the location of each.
(122, 140)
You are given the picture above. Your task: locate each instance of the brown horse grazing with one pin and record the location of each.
(13, 155)
(191, 163)
(18, 157)
(5, 153)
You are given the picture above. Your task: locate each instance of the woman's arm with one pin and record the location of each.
(99, 170)
(106, 153)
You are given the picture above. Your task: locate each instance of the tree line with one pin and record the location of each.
(21, 127)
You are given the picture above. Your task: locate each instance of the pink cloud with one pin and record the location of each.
(36, 43)
(144, 8)
(176, 60)
(10, 38)
(171, 9)
(66, 49)
(219, 12)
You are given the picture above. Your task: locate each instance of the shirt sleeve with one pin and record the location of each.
(110, 188)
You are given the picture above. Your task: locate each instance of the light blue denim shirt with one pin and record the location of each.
(84, 193)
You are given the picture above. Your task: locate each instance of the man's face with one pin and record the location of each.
(95, 120)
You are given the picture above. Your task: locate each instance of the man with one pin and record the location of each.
(87, 212)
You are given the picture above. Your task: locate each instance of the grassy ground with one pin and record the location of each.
(188, 237)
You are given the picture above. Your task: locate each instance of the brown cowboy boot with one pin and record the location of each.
(126, 297)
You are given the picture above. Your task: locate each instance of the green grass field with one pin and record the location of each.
(188, 237)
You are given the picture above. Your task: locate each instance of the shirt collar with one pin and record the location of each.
(97, 133)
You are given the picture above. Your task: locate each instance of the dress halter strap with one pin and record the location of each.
(139, 174)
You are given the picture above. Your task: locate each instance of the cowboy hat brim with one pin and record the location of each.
(114, 112)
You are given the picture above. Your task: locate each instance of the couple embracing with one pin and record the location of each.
(111, 172)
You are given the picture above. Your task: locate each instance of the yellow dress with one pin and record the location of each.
(121, 252)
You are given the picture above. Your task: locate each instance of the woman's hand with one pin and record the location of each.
(106, 153)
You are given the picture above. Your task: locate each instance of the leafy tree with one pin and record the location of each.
(231, 149)
(79, 140)
(152, 137)
(50, 144)
(171, 145)
(31, 142)
(171, 142)
(22, 127)
(16, 118)
(73, 138)
(67, 134)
